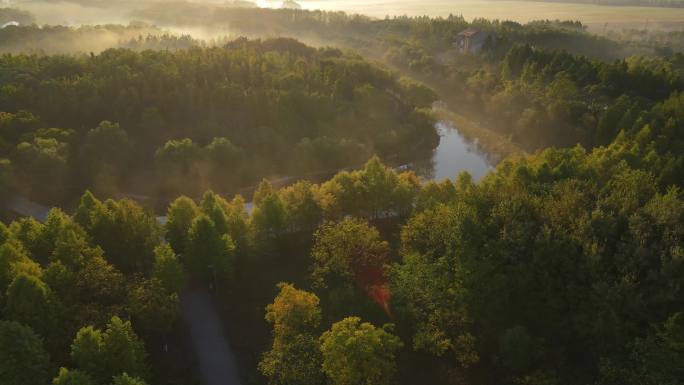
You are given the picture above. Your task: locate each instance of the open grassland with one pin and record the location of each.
(596, 16)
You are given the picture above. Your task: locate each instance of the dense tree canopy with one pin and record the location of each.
(356, 353)
(295, 356)
(249, 110)
(561, 267)
(23, 359)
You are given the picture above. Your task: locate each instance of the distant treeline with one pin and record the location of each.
(87, 39)
(376, 35)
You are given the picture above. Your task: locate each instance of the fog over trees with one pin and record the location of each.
(258, 175)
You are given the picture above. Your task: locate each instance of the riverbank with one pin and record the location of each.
(490, 142)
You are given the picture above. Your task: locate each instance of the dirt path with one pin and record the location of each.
(216, 360)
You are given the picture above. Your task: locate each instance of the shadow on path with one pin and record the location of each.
(216, 361)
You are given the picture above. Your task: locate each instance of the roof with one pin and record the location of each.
(11, 23)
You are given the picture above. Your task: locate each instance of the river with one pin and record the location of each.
(453, 155)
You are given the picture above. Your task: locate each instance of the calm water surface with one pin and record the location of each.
(453, 155)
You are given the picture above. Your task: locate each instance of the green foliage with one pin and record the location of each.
(257, 108)
(179, 161)
(23, 360)
(72, 377)
(88, 211)
(127, 233)
(293, 312)
(655, 359)
(374, 192)
(304, 212)
(41, 165)
(98, 291)
(566, 234)
(152, 308)
(180, 215)
(168, 270)
(356, 353)
(518, 350)
(269, 217)
(295, 356)
(86, 350)
(106, 354)
(10, 255)
(32, 303)
(347, 250)
(104, 153)
(297, 362)
(122, 351)
(125, 379)
(208, 251)
(77, 286)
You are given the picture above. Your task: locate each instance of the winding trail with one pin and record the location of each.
(216, 360)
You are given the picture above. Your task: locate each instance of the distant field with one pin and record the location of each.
(596, 16)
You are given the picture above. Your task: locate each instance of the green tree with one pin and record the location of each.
(269, 216)
(179, 161)
(215, 208)
(238, 224)
(71, 247)
(122, 350)
(10, 255)
(293, 312)
(350, 250)
(31, 302)
(153, 309)
(46, 240)
(86, 351)
(103, 155)
(168, 270)
(97, 291)
(128, 235)
(303, 210)
(125, 379)
(88, 211)
(356, 353)
(28, 232)
(72, 377)
(41, 166)
(208, 250)
(295, 356)
(23, 359)
(112, 352)
(224, 155)
(180, 215)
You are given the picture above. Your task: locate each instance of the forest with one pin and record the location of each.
(540, 84)
(269, 168)
(130, 122)
(561, 268)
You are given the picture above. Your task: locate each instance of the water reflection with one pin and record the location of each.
(453, 155)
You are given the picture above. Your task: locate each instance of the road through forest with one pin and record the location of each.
(217, 362)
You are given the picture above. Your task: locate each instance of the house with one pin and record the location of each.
(471, 40)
